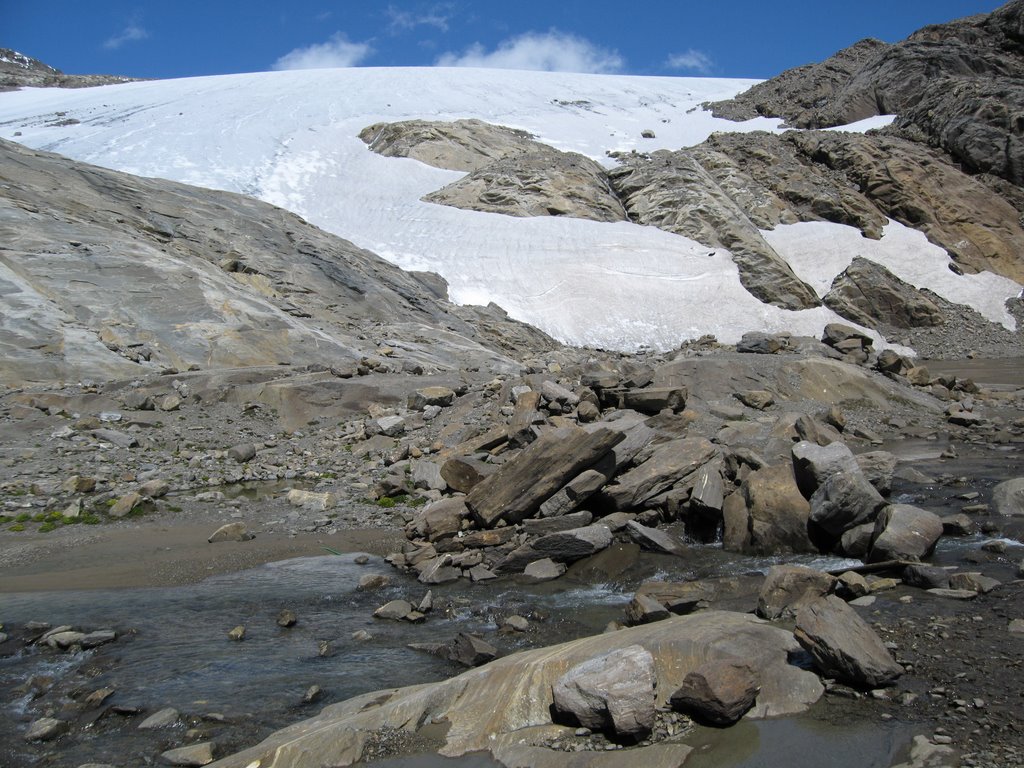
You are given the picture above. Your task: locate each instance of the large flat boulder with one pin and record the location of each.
(505, 707)
(905, 532)
(668, 464)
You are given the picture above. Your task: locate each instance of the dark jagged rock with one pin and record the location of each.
(20, 71)
(871, 295)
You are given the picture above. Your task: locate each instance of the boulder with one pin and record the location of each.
(708, 493)
(440, 520)
(718, 692)
(471, 651)
(655, 399)
(437, 396)
(462, 473)
(904, 532)
(787, 588)
(614, 692)
(505, 706)
(574, 544)
(573, 493)
(976, 582)
(755, 342)
(813, 464)
(856, 542)
(1008, 498)
(426, 475)
(165, 718)
(758, 399)
(231, 532)
(926, 576)
(126, 504)
(242, 453)
(396, 610)
(668, 464)
(775, 513)
(643, 609)
(544, 569)
(846, 499)
(843, 645)
(870, 295)
(521, 485)
(879, 467)
(189, 756)
(311, 499)
(654, 540)
(542, 526)
(45, 729)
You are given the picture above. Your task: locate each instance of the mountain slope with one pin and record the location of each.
(106, 275)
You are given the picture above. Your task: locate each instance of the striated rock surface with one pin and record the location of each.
(505, 706)
(20, 71)
(124, 276)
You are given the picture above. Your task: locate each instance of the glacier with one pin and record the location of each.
(291, 139)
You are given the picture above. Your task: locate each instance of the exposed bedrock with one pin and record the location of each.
(958, 86)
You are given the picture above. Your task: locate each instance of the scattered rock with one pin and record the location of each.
(231, 532)
(717, 692)
(843, 645)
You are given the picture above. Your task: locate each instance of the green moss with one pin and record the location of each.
(24, 517)
(90, 519)
(386, 502)
(17, 527)
(39, 517)
(419, 501)
(47, 527)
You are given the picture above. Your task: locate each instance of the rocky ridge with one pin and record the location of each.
(20, 71)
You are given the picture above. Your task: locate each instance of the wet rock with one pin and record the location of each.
(925, 754)
(165, 718)
(614, 691)
(954, 594)
(856, 542)
(97, 638)
(45, 729)
(717, 692)
(396, 610)
(787, 588)
(231, 532)
(544, 569)
(191, 755)
(471, 651)
(843, 645)
(237, 634)
(904, 532)
(439, 571)
(62, 639)
(708, 493)
(957, 525)
(242, 453)
(287, 618)
(654, 540)
(312, 693)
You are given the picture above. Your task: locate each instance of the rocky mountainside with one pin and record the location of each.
(20, 71)
(107, 275)
(956, 86)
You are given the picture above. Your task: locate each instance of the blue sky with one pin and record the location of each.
(181, 38)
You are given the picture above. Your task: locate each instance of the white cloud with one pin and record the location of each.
(550, 52)
(692, 60)
(339, 51)
(130, 34)
(406, 20)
